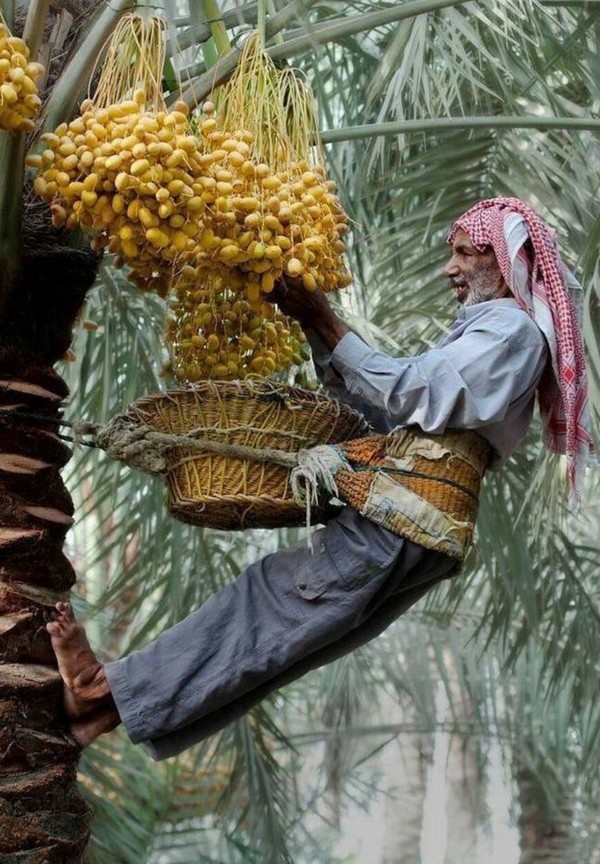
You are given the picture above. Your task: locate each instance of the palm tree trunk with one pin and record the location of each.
(546, 838)
(407, 762)
(463, 771)
(42, 815)
(43, 818)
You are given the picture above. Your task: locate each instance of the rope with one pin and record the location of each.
(314, 473)
(124, 442)
(41, 419)
(141, 447)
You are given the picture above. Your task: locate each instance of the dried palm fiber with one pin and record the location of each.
(64, 24)
(54, 277)
(125, 169)
(253, 454)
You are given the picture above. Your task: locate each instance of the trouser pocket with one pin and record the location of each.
(346, 554)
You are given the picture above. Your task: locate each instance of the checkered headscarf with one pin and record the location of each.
(543, 287)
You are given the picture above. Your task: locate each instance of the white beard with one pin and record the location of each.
(485, 284)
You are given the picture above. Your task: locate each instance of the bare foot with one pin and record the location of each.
(86, 688)
(88, 728)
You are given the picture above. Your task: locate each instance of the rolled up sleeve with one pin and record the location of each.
(336, 385)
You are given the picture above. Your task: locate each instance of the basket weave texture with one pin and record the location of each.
(377, 451)
(227, 492)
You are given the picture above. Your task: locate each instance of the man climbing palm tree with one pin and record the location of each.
(516, 334)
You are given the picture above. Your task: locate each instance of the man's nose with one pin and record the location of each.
(451, 268)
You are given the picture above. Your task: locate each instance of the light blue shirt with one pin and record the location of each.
(482, 375)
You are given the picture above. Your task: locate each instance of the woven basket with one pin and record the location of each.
(225, 492)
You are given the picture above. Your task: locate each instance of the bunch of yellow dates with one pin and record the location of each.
(216, 333)
(19, 100)
(265, 223)
(130, 176)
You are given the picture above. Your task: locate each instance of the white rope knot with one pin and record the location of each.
(315, 473)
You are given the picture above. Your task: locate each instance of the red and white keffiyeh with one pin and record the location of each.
(542, 286)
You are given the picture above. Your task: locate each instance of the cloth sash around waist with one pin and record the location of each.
(419, 486)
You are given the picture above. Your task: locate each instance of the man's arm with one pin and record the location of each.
(467, 384)
(325, 330)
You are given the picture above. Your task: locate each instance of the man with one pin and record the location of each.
(516, 334)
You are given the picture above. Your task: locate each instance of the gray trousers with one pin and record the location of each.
(290, 612)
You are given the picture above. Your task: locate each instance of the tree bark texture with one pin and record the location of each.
(406, 764)
(546, 837)
(43, 817)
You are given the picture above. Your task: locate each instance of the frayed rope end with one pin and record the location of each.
(315, 473)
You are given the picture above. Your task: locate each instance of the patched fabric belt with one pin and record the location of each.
(422, 487)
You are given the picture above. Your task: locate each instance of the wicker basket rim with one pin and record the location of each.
(248, 388)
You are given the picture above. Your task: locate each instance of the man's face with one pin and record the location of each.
(475, 276)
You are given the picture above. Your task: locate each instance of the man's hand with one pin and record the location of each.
(310, 308)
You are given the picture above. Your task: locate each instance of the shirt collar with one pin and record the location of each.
(466, 312)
